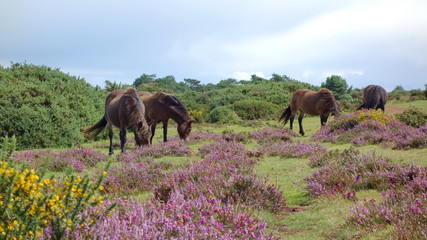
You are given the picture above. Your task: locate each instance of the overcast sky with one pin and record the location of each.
(365, 42)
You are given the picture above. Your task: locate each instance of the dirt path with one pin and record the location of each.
(393, 109)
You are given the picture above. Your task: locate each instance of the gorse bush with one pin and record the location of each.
(44, 107)
(413, 117)
(31, 206)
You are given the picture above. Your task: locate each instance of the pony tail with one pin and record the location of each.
(286, 115)
(97, 128)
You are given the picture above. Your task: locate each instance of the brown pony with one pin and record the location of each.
(374, 97)
(123, 109)
(160, 108)
(315, 103)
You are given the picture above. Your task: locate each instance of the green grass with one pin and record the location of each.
(305, 217)
(405, 104)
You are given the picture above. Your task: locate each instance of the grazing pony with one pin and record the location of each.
(123, 109)
(160, 107)
(315, 103)
(374, 97)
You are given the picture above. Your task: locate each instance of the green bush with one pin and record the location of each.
(223, 114)
(413, 116)
(251, 109)
(30, 203)
(43, 107)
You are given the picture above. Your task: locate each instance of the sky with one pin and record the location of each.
(366, 42)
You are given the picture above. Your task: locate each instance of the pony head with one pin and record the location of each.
(184, 129)
(142, 134)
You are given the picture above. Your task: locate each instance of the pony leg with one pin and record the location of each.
(323, 119)
(291, 119)
(165, 131)
(110, 135)
(301, 116)
(153, 130)
(122, 139)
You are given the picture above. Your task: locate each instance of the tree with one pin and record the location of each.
(227, 83)
(144, 79)
(111, 86)
(192, 83)
(338, 86)
(256, 79)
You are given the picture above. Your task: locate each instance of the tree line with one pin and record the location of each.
(44, 107)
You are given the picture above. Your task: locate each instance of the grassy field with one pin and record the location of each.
(305, 217)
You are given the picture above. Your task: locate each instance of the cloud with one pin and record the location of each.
(246, 75)
(339, 34)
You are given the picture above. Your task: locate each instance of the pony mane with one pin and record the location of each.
(132, 101)
(329, 98)
(171, 101)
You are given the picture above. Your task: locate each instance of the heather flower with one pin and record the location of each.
(180, 218)
(171, 148)
(268, 136)
(77, 158)
(372, 127)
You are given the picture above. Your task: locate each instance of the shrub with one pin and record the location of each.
(268, 136)
(242, 137)
(290, 150)
(180, 218)
(170, 148)
(225, 173)
(223, 114)
(29, 203)
(352, 171)
(413, 116)
(250, 109)
(404, 208)
(196, 115)
(44, 107)
(370, 126)
(76, 158)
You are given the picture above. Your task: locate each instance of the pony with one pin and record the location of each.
(374, 97)
(123, 109)
(315, 103)
(160, 107)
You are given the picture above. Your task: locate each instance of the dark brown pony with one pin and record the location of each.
(374, 97)
(123, 109)
(315, 103)
(160, 108)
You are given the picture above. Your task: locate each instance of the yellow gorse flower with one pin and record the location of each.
(45, 199)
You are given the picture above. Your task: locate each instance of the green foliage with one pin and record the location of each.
(338, 86)
(413, 117)
(44, 107)
(29, 203)
(144, 79)
(152, 84)
(192, 83)
(7, 147)
(251, 109)
(398, 92)
(223, 114)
